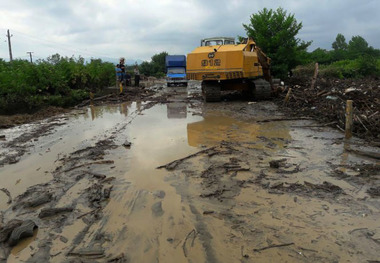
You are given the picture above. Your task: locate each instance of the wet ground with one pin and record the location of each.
(172, 179)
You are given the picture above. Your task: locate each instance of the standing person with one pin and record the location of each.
(120, 71)
(137, 75)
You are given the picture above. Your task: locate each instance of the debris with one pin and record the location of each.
(118, 259)
(46, 212)
(272, 246)
(374, 155)
(127, 144)
(8, 194)
(208, 212)
(192, 243)
(350, 90)
(6, 230)
(374, 191)
(366, 103)
(89, 253)
(63, 239)
(172, 165)
(107, 192)
(88, 213)
(42, 199)
(277, 163)
(22, 231)
(157, 209)
(91, 163)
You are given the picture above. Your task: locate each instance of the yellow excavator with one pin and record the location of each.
(221, 64)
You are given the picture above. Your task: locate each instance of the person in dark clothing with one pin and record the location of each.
(137, 76)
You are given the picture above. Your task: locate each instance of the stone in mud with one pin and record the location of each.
(276, 163)
(157, 209)
(127, 144)
(159, 194)
(374, 191)
(107, 192)
(22, 231)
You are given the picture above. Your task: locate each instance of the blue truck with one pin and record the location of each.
(176, 70)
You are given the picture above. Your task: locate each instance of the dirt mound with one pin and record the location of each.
(8, 121)
(327, 102)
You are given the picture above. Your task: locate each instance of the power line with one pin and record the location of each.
(66, 47)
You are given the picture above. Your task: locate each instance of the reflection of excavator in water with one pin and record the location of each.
(223, 65)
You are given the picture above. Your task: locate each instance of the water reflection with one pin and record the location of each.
(215, 128)
(176, 110)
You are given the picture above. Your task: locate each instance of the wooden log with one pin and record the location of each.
(314, 76)
(287, 96)
(349, 122)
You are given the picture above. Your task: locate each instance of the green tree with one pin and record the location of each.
(357, 47)
(275, 33)
(158, 62)
(156, 67)
(321, 56)
(340, 48)
(339, 43)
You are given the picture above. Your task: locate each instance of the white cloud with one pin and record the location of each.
(138, 29)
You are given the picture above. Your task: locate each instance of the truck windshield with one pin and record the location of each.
(176, 70)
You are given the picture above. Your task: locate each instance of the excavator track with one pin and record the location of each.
(211, 91)
(261, 90)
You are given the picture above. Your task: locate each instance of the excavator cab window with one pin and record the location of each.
(217, 41)
(214, 43)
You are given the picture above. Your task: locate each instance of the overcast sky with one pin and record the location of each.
(138, 29)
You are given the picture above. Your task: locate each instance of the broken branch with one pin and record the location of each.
(272, 246)
(172, 165)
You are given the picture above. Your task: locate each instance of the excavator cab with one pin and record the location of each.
(217, 41)
(222, 64)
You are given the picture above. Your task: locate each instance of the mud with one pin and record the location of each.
(156, 175)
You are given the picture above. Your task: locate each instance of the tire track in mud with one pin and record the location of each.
(78, 192)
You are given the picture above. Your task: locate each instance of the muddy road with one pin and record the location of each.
(171, 179)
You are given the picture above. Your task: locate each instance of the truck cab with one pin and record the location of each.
(176, 70)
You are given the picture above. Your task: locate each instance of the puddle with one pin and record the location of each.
(79, 130)
(157, 215)
(216, 127)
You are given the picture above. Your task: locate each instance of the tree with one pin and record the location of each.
(156, 67)
(275, 33)
(357, 47)
(339, 43)
(340, 48)
(322, 56)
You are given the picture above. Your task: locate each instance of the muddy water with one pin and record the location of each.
(72, 132)
(155, 215)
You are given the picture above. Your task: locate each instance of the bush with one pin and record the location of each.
(57, 81)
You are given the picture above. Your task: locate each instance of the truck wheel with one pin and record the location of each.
(168, 84)
(261, 90)
(211, 92)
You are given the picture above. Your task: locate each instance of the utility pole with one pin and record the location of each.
(30, 54)
(9, 45)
